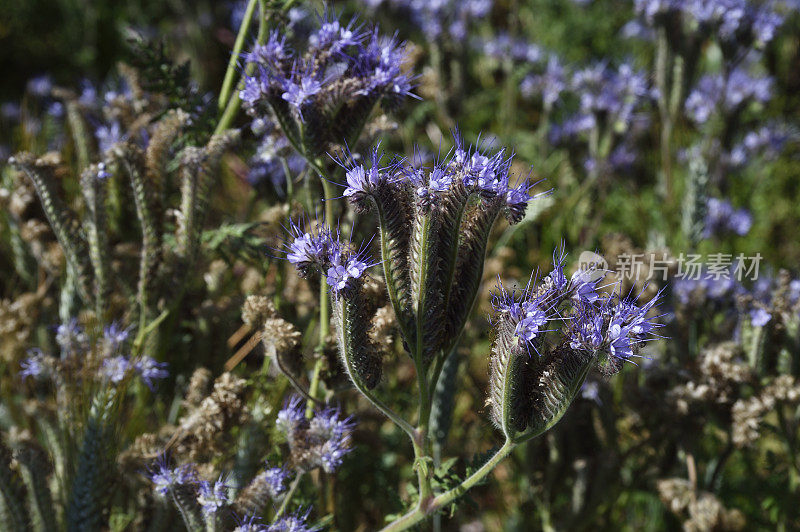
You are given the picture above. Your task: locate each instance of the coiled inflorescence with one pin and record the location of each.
(322, 441)
(322, 90)
(435, 222)
(548, 337)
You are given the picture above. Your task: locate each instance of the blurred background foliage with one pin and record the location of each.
(626, 439)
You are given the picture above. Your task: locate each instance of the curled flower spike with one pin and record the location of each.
(322, 91)
(528, 395)
(327, 255)
(309, 250)
(322, 441)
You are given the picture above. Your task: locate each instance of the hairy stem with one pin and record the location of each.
(422, 512)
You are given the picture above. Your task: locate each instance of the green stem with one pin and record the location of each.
(244, 28)
(324, 304)
(288, 496)
(421, 512)
(232, 97)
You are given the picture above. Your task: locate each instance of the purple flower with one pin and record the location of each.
(40, 86)
(362, 66)
(759, 317)
(340, 276)
(115, 369)
(721, 217)
(292, 523)
(149, 370)
(531, 323)
(298, 93)
(335, 37)
(550, 84)
(291, 415)
(108, 135)
(591, 392)
(362, 181)
(585, 285)
(309, 249)
(713, 92)
(272, 53)
(275, 479)
(115, 336)
(166, 479)
(213, 497)
(250, 524)
(332, 434)
(34, 366)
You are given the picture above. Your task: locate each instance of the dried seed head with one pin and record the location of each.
(256, 309)
(282, 343)
(200, 385)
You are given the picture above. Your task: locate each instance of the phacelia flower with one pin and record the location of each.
(323, 89)
(292, 523)
(150, 370)
(166, 479)
(34, 366)
(275, 479)
(115, 336)
(291, 415)
(212, 497)
(71, 338)
(322, 441)
(759, 317)
(722, 218)
(115, 369)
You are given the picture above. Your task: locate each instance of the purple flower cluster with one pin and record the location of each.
(714, 92)
(273, 157)
(275, 479)
(505, 47)
(549, 84)
(742, 21)
(465, 168)
(530, 309)
(116, 369)
(611, 93)
(340, 63)
(165, 478)
(591, 322)
(292, 523)
(325, 439)
(439, 18)
(720, 288)
(324, 252)
(722, 218)
(767, 141)
(34, 366)
(213, 497)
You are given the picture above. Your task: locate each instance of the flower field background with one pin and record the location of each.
(281, 265)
